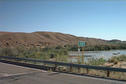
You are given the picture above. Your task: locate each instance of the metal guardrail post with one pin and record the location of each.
(55, 67)
(87, 70)
(108, 73)
(71, 69)
(79, 69)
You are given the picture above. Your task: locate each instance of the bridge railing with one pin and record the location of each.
(70, 65)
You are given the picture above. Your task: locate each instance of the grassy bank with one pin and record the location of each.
(102, 61)
(53, 54)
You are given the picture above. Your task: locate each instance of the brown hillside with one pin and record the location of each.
(42, 39)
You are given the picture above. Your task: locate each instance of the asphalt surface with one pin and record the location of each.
(12, 74)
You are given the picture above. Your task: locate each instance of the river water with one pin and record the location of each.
(73, 55)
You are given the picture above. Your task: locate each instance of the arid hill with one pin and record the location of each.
(42, 39)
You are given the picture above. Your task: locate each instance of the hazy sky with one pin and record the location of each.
(104, 19)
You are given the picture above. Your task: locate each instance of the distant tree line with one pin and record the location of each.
(98, 47)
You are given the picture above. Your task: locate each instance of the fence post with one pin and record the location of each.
(71, 69)
(55, 67)
(78, 69)
(108, 73)
(87, 70)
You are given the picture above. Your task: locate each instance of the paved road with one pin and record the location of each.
(12, 74)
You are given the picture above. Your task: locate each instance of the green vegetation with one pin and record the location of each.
(117, 59)
(98, 47)
(59, 53)
(102, 61)
(93, 61)
(56, 54)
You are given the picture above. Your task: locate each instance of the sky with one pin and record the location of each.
(105, 19)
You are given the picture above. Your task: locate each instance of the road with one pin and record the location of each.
(12, 74)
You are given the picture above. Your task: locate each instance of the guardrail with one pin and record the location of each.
(108, 69)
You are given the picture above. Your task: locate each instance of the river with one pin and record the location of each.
(95, 54)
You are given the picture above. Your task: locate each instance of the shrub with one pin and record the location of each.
(99, 61)
(116, 59)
